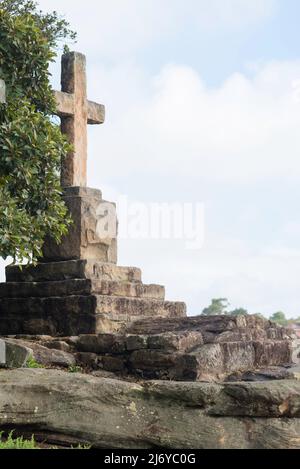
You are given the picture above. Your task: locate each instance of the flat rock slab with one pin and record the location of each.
(107, 413)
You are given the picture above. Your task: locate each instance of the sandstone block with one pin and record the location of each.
(87, 237)
(139, 307)
(13, 355)
(136, 342)
(72, 269)
(101, 343)
(184, 341)
(88, 360)
(44, 355)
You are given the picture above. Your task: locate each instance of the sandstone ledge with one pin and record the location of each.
(62, 407)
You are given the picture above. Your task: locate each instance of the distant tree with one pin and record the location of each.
(260, 315)
(239, 312)
(217, 307)
(279, 318)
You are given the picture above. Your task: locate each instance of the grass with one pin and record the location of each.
(20, 443)
(32, 363)
(75, 369)
(17, 443)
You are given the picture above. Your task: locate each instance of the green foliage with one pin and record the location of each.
(20, 443)
(16, 443)
(31, 144)
(239, 312)
(32, 363)
(82, 447)
(75, 369)
(279, 318)
(218, 307)
(260, 315)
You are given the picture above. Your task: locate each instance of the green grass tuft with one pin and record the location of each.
(75, 369)
(32, 363)
(17, 443)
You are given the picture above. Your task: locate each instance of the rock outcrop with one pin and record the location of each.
(65, 408)
(182, 349)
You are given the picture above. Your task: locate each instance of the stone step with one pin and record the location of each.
(121, 307)
(80, 287)
(73, 269)
(73, 315)
(128, 289)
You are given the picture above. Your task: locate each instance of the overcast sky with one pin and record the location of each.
(203, 105)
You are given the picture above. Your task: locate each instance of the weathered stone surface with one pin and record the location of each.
(78, 314)
(208, 362)
(181, 341)
(44, 355)
(80, 287)
(72, 269)
(70, 315)
(86, 238)
(103, 374)
(264, 374)
(75, 112)
(45, 289)
(14, 355)
(58, 345)
(280, 399)
(128, 289)
(139, 307)
(88, 360)
(109, 413)
(214, 329)
(136, 342)
(273, 352)
(101, 343)
(114, 363)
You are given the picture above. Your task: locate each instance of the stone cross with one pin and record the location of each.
(2, 92)
(76, 112)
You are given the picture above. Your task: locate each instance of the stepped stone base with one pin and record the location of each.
(78, 297)
(78, 288)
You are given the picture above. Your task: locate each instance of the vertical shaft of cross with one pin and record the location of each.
(73, 82)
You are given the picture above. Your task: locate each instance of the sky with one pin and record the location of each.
(203, 106)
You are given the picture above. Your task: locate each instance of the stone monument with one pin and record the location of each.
(77, 288)
(78, 308)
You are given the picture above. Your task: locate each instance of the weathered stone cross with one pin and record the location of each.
(76, 112)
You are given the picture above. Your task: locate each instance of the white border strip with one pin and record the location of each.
(2, 92)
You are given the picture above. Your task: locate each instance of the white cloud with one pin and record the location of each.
(117, 27)
(246, 130)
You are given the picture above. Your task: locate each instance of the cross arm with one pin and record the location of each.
(96, 113)
(64, 104)
(65, 108)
